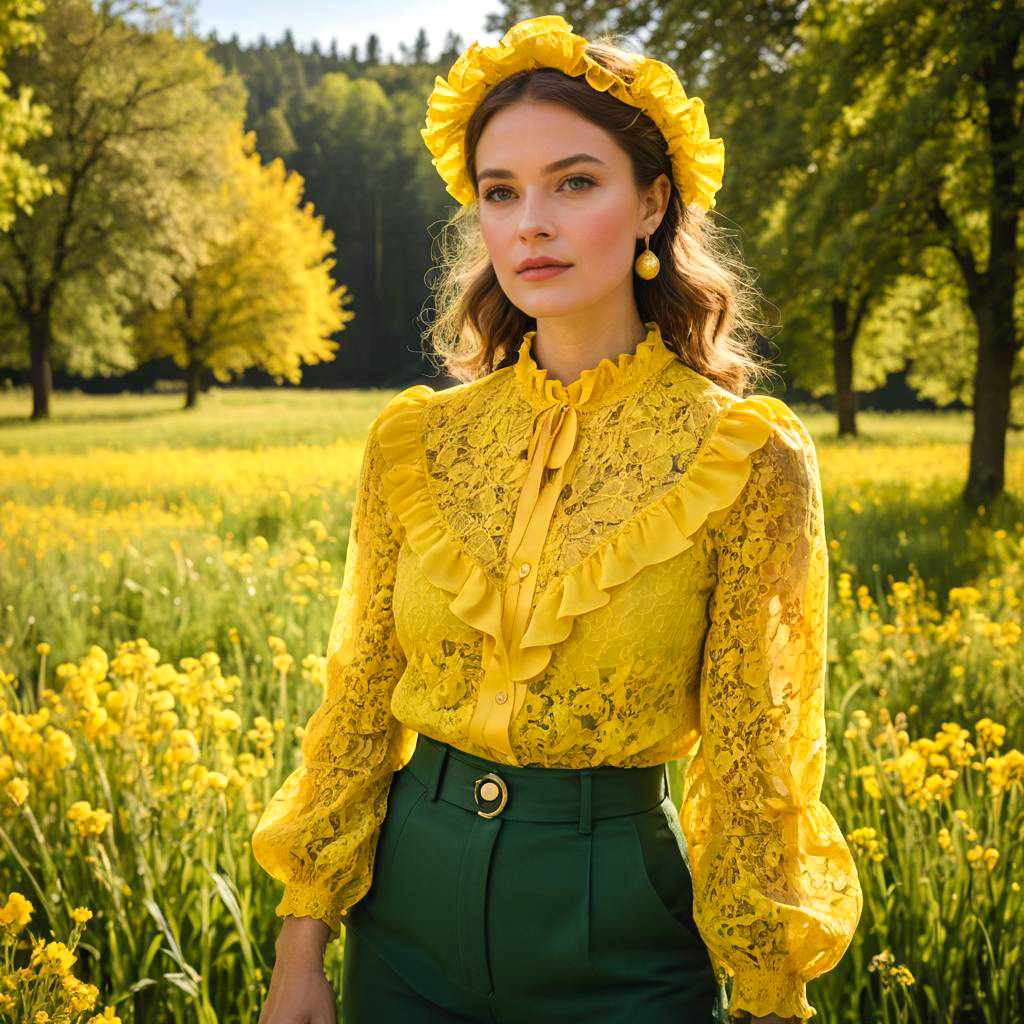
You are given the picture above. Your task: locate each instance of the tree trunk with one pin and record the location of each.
(40, 337)
(842, 369)
(991, 294)
(991, 414)
(193, 380)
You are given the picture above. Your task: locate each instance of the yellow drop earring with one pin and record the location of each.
(647, 264)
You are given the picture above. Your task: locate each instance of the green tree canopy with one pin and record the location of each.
(133, 107)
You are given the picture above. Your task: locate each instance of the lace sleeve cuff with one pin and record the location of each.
(761, 992)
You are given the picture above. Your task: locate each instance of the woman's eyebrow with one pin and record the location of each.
(499, 172)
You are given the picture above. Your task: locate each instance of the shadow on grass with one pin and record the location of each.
(945, 542)
(95, 417)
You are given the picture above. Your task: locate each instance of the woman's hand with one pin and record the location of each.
(299, 994)
(299, 991)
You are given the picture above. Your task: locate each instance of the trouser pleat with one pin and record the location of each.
(474, 880)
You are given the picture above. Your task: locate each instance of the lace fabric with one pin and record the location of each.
(625, 570)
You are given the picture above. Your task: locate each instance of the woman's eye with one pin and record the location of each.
(489, 194)
(579, 177)
(497, 188)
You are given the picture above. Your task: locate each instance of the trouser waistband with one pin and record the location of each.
(529, 793)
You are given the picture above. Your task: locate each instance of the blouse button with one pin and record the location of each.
(524, 569)
(501, 696)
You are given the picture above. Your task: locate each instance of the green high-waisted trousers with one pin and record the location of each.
(527, 895)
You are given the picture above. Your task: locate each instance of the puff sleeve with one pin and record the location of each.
(776, 893)
(318, 834)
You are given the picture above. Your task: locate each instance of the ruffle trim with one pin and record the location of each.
(663, 529)
(660, 531)
(760, 993)
(598, 384)
(310, 901)
(476, 601)
(698, 162)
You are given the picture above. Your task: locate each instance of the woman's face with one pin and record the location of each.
(536, 201)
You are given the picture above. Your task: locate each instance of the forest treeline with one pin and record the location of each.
(873, 183)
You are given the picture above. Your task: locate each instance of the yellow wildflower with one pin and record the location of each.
(89, 822)
(17, 790)
(989, 733)
(106, 1017)
(53, 959)
(16, 912)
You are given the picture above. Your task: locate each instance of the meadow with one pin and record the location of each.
(167, 581)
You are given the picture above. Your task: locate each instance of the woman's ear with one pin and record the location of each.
(655, 203)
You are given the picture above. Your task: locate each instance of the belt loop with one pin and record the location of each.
(437, 769)
(586, 790)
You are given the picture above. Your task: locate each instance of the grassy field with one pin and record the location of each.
(167, 580)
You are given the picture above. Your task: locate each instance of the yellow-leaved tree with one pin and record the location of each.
(264, 295)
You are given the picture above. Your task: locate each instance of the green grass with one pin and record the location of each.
(243, 418)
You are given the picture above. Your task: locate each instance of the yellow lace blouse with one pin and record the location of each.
(626, 569)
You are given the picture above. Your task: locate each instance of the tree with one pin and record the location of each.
(133, 106)
(21, 181)
(274, 134)
(264, 296)
(354, 137)
(418, 52)
(349, 151)
(829, 258)
(450, 49)
(943, 135)
(373, 55)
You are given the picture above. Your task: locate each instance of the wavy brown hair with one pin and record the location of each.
(703, 298)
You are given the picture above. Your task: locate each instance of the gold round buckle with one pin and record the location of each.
(490, 787)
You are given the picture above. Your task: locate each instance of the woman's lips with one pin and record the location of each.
(541, 273)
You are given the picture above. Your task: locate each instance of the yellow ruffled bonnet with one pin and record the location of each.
(698, 162)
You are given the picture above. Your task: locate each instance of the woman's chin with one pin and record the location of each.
(547, 306)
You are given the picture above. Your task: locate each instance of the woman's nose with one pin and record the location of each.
(534, 215)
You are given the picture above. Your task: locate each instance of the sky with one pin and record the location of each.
(347, 21)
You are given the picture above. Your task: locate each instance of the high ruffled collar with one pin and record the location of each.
(598, 384)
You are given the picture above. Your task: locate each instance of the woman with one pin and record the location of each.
(588, 559)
